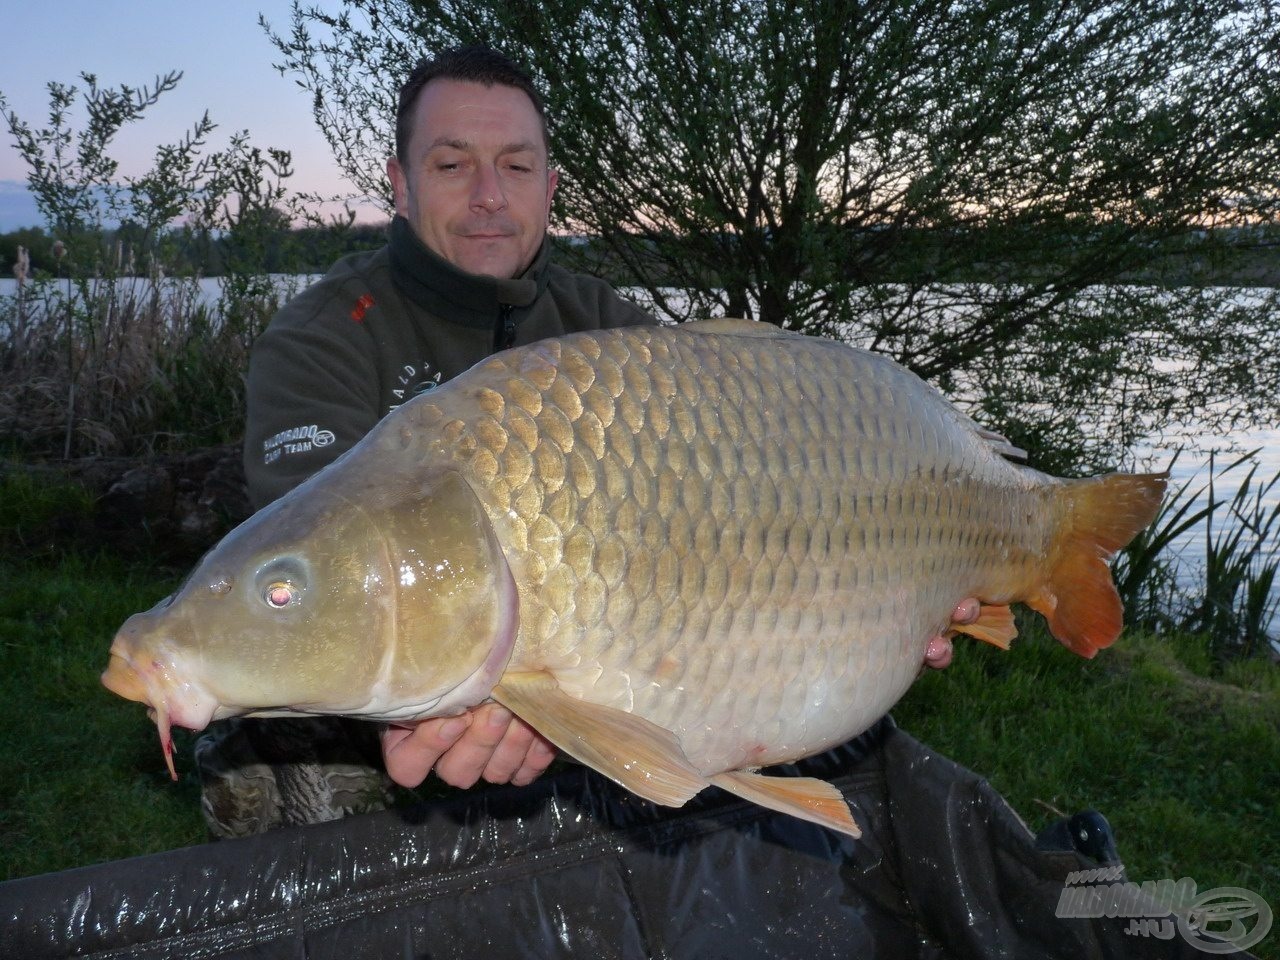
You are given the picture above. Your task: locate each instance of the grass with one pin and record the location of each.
(80, 780)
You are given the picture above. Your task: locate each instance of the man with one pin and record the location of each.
(465, 273)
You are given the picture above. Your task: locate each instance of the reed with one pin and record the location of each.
(1236, 604)
(111, 356)
(125, 365)
(1229, 598)
(1145, 572)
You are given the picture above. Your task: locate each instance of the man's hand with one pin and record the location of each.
(938, 654)
(486, 741)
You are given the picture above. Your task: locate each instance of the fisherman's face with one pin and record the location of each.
(477, 188)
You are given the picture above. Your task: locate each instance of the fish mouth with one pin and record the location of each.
(153, 688)
(122, 680)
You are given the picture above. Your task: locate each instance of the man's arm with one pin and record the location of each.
(310, 398)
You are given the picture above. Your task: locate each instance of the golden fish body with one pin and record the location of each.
(748, 541)
(680, 553)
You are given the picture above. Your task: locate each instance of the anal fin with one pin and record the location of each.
(805, 797)
(641, 756)
(994, 626)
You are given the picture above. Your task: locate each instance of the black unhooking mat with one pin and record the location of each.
(573, 866)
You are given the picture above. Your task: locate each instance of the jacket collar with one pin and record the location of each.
(439, 287)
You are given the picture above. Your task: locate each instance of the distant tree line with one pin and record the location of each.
(282, 248)
(1199, 259)
(1235, 256)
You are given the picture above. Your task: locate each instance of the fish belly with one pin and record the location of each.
(747, 540)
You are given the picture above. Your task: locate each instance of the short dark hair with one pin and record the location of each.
(476, 64)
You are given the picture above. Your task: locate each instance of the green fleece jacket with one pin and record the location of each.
(382, 327)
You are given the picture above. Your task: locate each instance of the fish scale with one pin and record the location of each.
(679, 553)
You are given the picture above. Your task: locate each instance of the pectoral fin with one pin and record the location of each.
(644, 758)
(805, 797)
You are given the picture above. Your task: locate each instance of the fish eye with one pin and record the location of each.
(281, 582)
(280, 594)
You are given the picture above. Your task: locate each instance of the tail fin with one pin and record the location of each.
(1078, 598)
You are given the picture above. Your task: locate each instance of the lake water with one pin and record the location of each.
(1189, 469)
(209, 289)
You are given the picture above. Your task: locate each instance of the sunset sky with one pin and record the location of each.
(226, 61)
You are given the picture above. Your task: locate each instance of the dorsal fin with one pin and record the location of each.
(1002, 444)
(735, 326)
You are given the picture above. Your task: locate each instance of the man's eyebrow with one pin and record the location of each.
(448, 142)
(515, 147)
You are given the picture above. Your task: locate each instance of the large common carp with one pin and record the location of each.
(681, 554)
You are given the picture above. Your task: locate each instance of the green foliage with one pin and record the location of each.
(239, 191)
(73, 178)
(964, 186)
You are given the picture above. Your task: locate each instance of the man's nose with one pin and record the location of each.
(486, 192)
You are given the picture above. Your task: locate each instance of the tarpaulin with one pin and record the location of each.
(574, 866)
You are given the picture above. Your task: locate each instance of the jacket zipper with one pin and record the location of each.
(504, 331)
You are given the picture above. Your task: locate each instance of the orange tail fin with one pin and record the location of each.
(1078, 598)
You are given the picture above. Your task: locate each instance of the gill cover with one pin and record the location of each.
(402, 602)
(456, 602)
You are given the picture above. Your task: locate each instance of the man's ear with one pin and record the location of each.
(399, 186)
(553, 177)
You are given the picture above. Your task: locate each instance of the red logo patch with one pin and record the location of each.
(362, 305)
